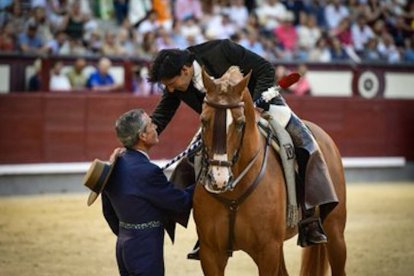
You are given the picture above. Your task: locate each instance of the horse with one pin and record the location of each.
(240, 200)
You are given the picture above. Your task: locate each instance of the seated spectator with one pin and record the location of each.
(74, 47)
(400, 30)
(272, 50)
(281, 72)
(184, 9)
(308, 33)
(43, 25)
(110, 46)
(343, 32)
(321, 53)
(317, 9)
(148, 48)
(191, 28)
(74, 22)
(121, 10)
(164, 40)
(176, 34)
(58, 43)
(35, 81)
(220, 27)
(238, 13)
(334, 13)
(30, 42)
(286, 33)
(371, 50)
(5, 11)
(251, 42)
(409, 49)
(140, 84)
(388, 50)
(101, 80)
(58, 80)
(373, 11)
(302, 87)
(94, 42)
(57, 10)
(7, 38)
(149, 24)
(337, 50)
(126, 47)
(164, 13)
(361, 33)
(270, 14)
(138, 10)
(76, 75)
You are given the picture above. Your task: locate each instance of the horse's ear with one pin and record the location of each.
(208, 82)
(243, 83)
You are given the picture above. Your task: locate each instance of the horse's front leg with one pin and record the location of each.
(270, 260)
(213, 261)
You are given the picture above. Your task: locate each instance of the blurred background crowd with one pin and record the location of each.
(288, 30)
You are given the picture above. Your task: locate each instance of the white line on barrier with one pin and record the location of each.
(82, 167)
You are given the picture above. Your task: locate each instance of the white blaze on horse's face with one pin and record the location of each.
(221, 175)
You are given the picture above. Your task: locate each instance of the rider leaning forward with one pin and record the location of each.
(179, 71)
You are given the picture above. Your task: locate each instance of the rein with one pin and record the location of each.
(233, 204)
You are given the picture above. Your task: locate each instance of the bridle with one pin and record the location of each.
(219, 134)
(220, 142)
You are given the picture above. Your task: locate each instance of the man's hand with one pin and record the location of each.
(116, 153)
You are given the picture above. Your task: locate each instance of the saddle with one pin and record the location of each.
(282, 143)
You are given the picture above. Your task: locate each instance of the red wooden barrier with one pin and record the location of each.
(60, 127)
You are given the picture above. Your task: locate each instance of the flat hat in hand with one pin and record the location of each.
(97, 177)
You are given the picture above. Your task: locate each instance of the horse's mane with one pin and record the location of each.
(232, 76)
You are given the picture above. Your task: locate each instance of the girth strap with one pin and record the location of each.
(233, 204)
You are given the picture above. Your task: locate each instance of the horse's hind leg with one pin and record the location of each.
(336, 247)
(213, 262)
(270, 260)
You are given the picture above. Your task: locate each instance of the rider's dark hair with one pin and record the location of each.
(168, 64)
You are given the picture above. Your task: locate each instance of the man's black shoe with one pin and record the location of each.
(194, 254)
(311, 232)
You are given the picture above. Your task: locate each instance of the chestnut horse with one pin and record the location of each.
(241, 201)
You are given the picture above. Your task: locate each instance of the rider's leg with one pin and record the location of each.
(312, 169)
(310, 228)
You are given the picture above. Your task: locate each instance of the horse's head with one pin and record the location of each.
(223, 126)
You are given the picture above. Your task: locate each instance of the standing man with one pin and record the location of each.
(139, 202)
(180, 72)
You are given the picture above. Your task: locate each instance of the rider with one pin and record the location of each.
(179, 71)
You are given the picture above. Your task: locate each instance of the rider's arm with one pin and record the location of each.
(263, 73)
(165, 110)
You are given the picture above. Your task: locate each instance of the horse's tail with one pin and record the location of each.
(314, 260)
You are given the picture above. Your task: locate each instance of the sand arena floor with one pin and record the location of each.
(58, 235)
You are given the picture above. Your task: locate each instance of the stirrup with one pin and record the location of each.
(303, 231)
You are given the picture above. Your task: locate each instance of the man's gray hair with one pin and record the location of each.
(129, 125)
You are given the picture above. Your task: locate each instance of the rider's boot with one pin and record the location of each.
(195, 253)
(310, 230)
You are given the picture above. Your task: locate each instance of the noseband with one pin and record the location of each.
(219, 134)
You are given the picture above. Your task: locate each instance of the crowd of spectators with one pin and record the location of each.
(288, 30)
